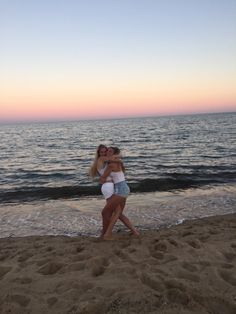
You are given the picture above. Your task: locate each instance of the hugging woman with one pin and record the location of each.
(108, 165)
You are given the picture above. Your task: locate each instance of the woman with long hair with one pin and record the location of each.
(114, 208)
(99, 167)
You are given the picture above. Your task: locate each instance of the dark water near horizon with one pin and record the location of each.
(45, 161)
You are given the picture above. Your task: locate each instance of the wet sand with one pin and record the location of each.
(189, 268)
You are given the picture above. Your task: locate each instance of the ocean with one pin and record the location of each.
(187, 162)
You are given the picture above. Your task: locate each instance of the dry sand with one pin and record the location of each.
(189, 268)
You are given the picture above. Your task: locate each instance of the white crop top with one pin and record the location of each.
(117, 176)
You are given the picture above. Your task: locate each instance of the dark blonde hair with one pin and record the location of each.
(93, 169)
(116, 151)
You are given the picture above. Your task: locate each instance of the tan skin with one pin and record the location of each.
(108, 156)
(115, 205)
(103, 157)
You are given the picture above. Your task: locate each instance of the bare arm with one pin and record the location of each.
(113, 158)
(106, 173)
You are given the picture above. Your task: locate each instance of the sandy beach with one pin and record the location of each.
(189, 268)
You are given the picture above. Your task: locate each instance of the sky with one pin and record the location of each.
(76, 59)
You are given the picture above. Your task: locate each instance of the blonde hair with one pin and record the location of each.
(116, 151)
(93, 172)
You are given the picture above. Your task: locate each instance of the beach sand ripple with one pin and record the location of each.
(189, 268)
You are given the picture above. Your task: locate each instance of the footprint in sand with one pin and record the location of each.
(155, 240)
(202, 265)
(132, 250)
(3, 256)
(10, 308)
(194, 243)
(49, 249)
(228, 276)
(98, 265)
(157, 255)
(79, 248)
(227, 265)
(213, 231)
(118, 252)
(175, 284)
(189, 267)
(81, 286)
(173, 242)
(4, 270)
(229, 256)
(158, 249)
(151, 282)
(169, 258)
(80, 257)
(25, 256)
(51, 268)
(125, 256)
(233, 245)
(23, 280)
(42, 262)
(175, 295)
(186, 234)
(21, 300)
(97, 270)
(160, 252)
(76, 249)
(76, 266)
(161, 246)
(217, 305)
(188, 276)
(51, 301)
(125, 243)
(203, 238)
(176, 292)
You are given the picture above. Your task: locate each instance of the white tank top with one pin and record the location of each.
(117, 176)
(101, 172)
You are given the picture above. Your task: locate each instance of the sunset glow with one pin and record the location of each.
(97, 59)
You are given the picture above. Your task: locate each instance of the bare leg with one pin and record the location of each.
(113, 220)
(108, 210)
(126, 221)
(128, 224)
(106, 216)
(111, 214)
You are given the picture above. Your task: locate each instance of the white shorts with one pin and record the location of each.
(107, 189)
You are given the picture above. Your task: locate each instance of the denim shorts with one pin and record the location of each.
(121, 189)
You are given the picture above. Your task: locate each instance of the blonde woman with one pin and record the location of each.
(98, 168)
(114, 208)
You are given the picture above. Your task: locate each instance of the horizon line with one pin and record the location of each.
(61, 120)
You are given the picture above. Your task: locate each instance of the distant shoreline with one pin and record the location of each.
(72, 120)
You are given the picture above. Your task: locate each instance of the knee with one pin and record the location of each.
(105, 213)
(118, 212)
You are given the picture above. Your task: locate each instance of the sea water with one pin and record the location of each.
(178, 167)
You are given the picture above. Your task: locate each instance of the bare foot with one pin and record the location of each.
(135, 233)
(101, 236)
(108, 238)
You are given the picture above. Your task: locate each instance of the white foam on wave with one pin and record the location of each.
(146, 211)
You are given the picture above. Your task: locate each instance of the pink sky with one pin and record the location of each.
(95, 59)
(68, 102)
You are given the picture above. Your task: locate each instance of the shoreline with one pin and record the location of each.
(186, 268)
(147, 211)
